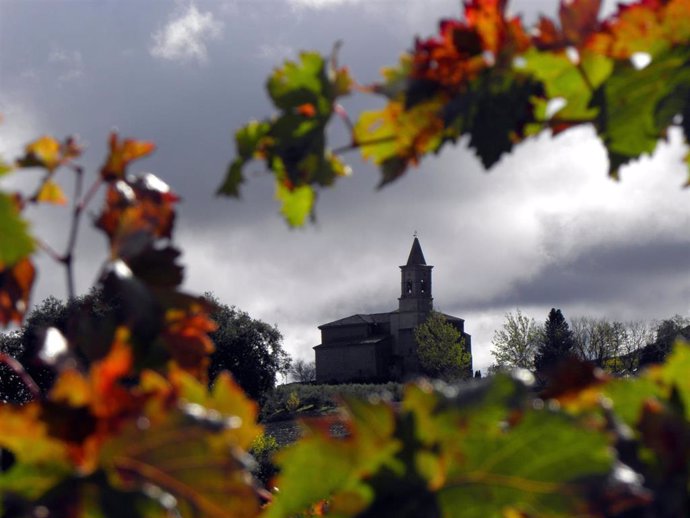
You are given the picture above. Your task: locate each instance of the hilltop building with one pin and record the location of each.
(381, 346)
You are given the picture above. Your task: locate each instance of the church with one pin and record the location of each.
(381, 347)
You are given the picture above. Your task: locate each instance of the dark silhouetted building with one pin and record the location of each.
(381, 346)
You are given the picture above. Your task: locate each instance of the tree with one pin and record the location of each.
(613, 346)
(665, 335)
(251, 350)
(303, 371)
(515, 344)
(555, 344)
(441, 349)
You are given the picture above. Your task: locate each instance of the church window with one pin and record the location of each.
(409, 287)
(422, 288)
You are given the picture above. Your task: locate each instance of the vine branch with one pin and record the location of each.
(19, 370)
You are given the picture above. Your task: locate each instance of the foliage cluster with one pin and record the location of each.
(250, 349)
(486, 79)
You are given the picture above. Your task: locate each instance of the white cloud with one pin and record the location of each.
(70, 64)
(184, 38)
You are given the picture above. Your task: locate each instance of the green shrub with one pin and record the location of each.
(262, 449)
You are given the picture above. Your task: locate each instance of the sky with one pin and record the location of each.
(544, 228)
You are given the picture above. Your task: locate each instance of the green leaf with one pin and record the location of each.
(296, 204)
(540, 466)
(15, 240)
(298, 83)
(4, 167)
(248, 142)
(495, 113)
(674, 372)
(634, 105)
(321, 466)
(41, 461)
(562, 78)
(233, 179)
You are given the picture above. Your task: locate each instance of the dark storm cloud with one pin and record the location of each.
(608, 275)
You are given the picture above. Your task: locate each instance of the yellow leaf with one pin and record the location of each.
(51, 192)
(71, 388)
(44, 152)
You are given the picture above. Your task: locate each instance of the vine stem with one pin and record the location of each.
(77, 211)
(355, 144)
(585, 77)
(19, 370)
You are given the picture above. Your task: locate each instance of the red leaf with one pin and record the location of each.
(578, 19)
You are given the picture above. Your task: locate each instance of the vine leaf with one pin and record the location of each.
(341, 463)
(650, 27)
(293, 144)
(39, 458)
(50, 192)
(578, 19)
(185, 335)
(628, 105)
(179, 457)
(48, 153)
(225, 397)
(122, 152)
(15, 241)
(16, 282)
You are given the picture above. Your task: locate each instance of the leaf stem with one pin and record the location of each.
(77, 210)
(585, 77)
(355, 144)
(54, 255)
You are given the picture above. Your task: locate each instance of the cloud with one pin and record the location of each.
(184, 38)
(69, 63)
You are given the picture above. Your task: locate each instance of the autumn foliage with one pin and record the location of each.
(486, 79)
(128, 426)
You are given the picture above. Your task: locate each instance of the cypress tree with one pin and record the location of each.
(555, 344)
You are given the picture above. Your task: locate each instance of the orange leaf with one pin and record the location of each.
(306, 109)
(109, 397)
(143, 205)
(121, 154)
(15, 288)
(649, 26)
(187, 340)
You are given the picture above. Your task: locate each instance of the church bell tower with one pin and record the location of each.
(415, 282)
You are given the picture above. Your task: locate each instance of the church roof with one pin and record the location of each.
(360, 318)
(416, 255)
